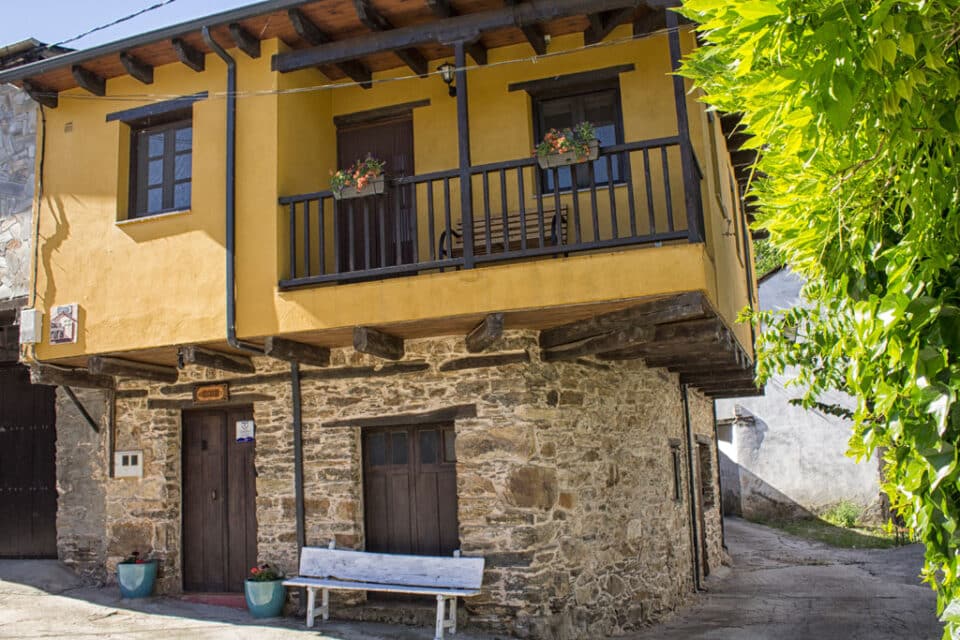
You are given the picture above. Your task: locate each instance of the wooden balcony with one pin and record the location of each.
(632, 195)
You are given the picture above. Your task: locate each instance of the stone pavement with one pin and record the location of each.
(786, 588)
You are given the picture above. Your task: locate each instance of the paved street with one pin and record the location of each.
(787, 588)
(780, 587)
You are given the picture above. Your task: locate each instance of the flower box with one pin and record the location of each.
(374, 187)
(136, 578)
(551, 160)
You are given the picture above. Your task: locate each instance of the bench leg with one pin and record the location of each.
(325, 604)
(311, 601)
(440, 618)
(452, 622)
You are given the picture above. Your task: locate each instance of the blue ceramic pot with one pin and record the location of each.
(264, 599)
(136, 580)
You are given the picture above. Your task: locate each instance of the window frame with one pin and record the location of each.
(168, 124)
(574, 92)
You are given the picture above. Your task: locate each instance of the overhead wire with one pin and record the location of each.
(158, 97)
(130, 16)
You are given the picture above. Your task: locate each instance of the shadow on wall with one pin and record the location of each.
(747, 495)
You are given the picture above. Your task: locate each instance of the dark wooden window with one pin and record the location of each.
(599, 106)
(677, 479)
(161, 170)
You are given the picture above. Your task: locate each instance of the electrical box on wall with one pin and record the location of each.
(128, 464)
(31, 326)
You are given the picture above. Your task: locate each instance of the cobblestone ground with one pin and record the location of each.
(781, 587)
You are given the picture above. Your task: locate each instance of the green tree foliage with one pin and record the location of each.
(855, 106)
(766, 258)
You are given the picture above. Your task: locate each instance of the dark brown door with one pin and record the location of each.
(410, 490)
(219, 501)
(28, 491)
(706, 501)
(376, 231)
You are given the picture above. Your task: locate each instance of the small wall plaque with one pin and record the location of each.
(128, 464)
(245, 430)
(211, 392)
(64, 320)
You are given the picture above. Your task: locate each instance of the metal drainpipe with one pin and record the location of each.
(231, 193)
(694, 529)
(298, 466)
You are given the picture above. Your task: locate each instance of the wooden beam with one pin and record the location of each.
(306, 29)
(41, 95)
(376, 21)
(292, 351)
(602, 343)
(132, 369)
(736, 393)
(492, 360)
(649, 22)
(245, 41)
(377, 343)
(216, 360)
(532, 32)
(46, 374)
(88, 80)
(188, 55)
(708, 378)
(602, 23)
(486, 333)
(686, 306)
(442, 9)
(190, 403)
(137, 68)
(449, 414)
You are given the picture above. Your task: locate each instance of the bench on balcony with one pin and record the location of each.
(447, 578)
(554, 233)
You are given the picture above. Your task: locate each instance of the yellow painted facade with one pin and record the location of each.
(160, 281)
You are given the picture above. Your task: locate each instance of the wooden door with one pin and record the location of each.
(28, 491)
(219, 501)
(376, 231)
(410, 490)
(704, 478)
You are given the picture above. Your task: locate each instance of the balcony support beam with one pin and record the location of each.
(188, 55)
(299, 352)
(245, 41)
(137, 68)
(377, 343)
(45, 374)
(485, 333)
(691, 185)
(216, 360)
(132, 369)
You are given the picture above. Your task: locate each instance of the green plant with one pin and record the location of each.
(576, 139)
(844, 514)
(357, 175)
(853, 106)
(135, 558)
(264, 573)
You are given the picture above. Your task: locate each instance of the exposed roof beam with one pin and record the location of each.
(244, 40)
(38, 94)
(486, 333)
(188, 55)
(217, 360)
(137, 68)
(306, 29)
(602, 23)
(45, 374)
(442, 9)
(377, 343)
(455, 29)
(292, 351)
(88, 80)
(532, 33)
(375, 21)
(108, 365)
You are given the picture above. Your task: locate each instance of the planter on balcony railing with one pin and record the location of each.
(374, 187)
(551, 160)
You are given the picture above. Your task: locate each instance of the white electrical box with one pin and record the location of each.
(31, 326)
(128, 464)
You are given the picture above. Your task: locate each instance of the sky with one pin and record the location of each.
(52, 21)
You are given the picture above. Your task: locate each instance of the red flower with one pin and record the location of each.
(255, 571)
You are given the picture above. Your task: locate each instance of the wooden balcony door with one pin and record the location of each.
(28, 491)
(382, 226)
(219, 501)
(410, 490)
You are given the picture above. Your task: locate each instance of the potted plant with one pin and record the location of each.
(264, 592)
(363, 178)
(569, 146)
(136, 575)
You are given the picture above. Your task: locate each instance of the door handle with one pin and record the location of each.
(213, 494)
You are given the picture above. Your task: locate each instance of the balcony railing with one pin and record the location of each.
(518, 211)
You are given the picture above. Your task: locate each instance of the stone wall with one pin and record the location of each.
(565, 477)
(81, 482)
(18, 117)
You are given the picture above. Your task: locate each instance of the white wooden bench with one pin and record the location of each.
(331, 568)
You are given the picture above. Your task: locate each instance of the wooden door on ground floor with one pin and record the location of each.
(219, 501)
(28, 491)
(410, 490)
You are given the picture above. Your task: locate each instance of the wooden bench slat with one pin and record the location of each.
(385, 568)
(371, 586)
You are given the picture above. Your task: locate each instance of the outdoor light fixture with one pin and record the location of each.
(446, 74)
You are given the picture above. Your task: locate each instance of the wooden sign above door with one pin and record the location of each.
(211, 392)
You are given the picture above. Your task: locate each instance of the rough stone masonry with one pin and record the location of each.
(564, 477)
